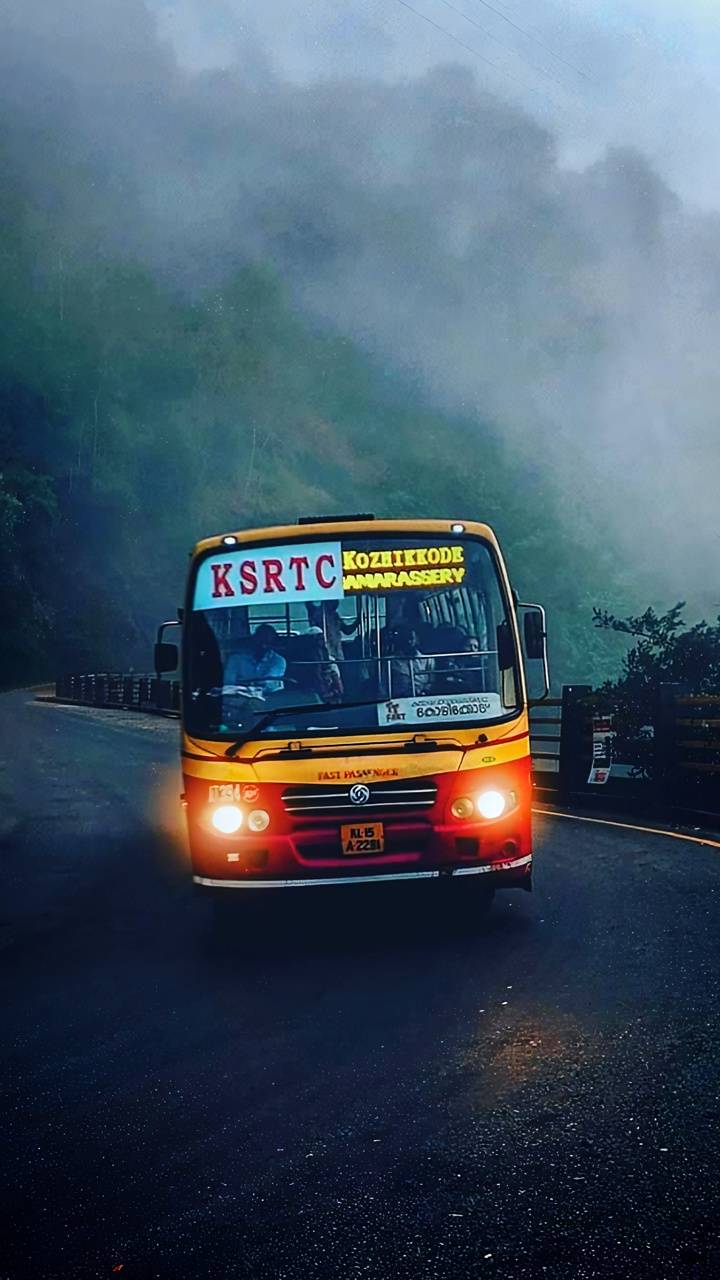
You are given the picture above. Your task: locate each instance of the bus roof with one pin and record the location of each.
(290, 532)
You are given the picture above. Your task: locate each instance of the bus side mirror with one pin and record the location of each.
(534, 633)
(166, 658)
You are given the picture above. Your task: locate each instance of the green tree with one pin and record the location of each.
(667, 650)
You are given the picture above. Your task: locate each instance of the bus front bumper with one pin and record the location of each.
(513, 873)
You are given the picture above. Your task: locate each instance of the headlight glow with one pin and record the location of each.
(491, 804)
(259, 820)
(462, 807)
(227, 819)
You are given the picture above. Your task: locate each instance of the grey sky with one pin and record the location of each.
(651, 66)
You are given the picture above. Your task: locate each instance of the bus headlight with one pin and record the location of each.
(491, 804)
(259, 820)
(462, 808)
(227, 819)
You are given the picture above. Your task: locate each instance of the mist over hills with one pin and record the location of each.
(229, 298)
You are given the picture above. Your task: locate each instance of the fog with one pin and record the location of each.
(616, 73)
(528, 248)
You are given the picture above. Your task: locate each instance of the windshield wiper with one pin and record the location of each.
(268, 716)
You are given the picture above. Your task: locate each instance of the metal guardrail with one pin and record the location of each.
(131, 692)
(545, 729)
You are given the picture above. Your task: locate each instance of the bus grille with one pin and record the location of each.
(402, 796)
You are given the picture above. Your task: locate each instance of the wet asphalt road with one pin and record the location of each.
(348, 1086)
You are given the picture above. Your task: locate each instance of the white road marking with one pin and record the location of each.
(629, 826)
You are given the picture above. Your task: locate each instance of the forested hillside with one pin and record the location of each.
(134, 420)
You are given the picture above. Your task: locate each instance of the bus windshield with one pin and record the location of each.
(414, 629)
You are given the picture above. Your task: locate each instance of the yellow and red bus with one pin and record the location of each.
(355, 706)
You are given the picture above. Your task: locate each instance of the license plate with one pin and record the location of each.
(362, 837)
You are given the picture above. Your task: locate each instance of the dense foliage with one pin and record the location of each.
(667, 651)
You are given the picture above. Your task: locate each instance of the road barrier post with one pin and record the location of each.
(666, 782)
(160, 694)
(100, 686)
(575, 740)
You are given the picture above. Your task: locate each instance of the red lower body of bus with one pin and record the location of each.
(305, 849)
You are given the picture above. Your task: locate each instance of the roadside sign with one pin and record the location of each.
(603, 738)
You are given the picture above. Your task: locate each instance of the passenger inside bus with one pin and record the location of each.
(327, 618)
(310, 667)
(459, 667)
(407, 672)
(414, 614)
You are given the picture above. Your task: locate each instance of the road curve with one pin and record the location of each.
(353, 1086)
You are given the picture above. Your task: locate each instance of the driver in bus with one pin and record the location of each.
(260, 667)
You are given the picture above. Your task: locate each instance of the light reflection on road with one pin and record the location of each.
(512, 1049)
